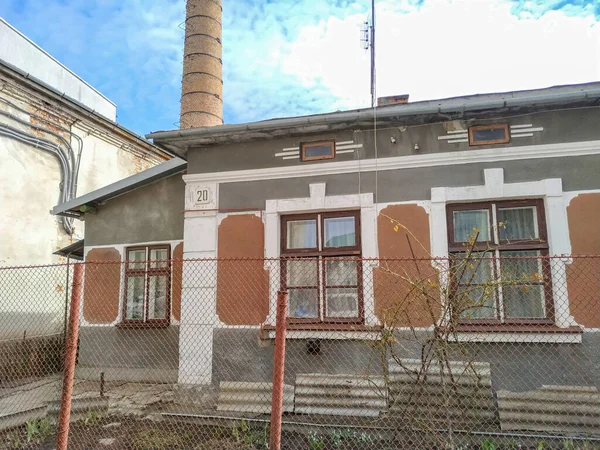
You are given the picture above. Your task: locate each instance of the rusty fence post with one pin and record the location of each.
(70, 356)
(278, 371)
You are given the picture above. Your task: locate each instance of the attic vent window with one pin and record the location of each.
(312, 151)
(489, 134)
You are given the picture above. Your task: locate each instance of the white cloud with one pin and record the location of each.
(446, 48)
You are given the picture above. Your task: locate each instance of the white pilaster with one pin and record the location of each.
(199, 284)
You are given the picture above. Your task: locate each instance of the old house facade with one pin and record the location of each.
(312, 191)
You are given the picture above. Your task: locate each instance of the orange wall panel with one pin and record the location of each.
(102, 285)
(242, 283)
(403, 230)
(583, 274)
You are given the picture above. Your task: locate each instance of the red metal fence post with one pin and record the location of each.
(70, 356)
(278, 371)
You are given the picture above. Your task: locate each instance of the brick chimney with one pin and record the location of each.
(202, 84)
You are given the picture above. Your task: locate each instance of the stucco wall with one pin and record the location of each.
(242, 281)
(550, 127)
(151, 213)
(583, 274)
(576, 172)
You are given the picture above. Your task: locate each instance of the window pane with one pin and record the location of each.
(341, 272)
(159, 254)
(478, 269)
(303, 303)
(476, 294)
(157, 297)
(135, 298)
(522, 300)
(302, 234)
(137, 255)
(476, 302)
(518, 223)
(318, 151)
(302, 272)
(465, 223)
(342, 302)
(340, 232)
(521, 266)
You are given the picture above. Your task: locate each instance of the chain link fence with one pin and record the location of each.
(469, 352)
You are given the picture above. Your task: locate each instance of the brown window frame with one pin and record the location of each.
(147, 272)
(321, 256)
(493, 250)
(499, 126)
(304, 145)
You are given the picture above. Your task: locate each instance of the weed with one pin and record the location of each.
(489, 444)
(31, 429)
(257, 438)
(315, 441)
(92, 417)
(14, 439)
(541, 445)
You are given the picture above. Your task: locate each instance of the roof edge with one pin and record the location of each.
(148, 176)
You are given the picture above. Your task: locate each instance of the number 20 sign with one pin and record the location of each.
(200, 197)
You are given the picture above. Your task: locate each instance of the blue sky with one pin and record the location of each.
(292, 57)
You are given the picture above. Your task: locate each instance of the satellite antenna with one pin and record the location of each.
(368, 40)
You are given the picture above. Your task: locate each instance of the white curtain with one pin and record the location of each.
(340, 232)
(517, 223)
(466, 221)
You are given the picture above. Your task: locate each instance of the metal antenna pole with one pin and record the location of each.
(372, 53)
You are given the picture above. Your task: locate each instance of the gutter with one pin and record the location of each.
(458, 104)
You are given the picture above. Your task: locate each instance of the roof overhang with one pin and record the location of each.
(73, 251)
(89, 202)
(468, 107)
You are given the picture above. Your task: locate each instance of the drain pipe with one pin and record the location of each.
(60, 127)
(50, 147)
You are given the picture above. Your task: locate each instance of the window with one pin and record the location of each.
(321, 267)
(147, 285)
(507, 280)
(489, 134)
(312, 151)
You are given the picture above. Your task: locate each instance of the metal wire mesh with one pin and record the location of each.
(467, 352)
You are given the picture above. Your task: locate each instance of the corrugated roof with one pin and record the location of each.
(72, 251)
(73, 207)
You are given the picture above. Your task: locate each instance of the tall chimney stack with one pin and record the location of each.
(202, 83)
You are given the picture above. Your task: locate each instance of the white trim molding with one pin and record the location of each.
(319, 201)
(550, 190)
(403, 162)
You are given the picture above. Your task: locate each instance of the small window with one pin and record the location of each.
(147, 285)
(312, 151)
(489, 134)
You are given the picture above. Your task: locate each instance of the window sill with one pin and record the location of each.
(542, 333)
(325, 331)
(140, 325)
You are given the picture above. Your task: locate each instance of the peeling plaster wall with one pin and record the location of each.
(30, 181)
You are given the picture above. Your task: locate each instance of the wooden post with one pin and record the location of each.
(64, 415)
(278, 371)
